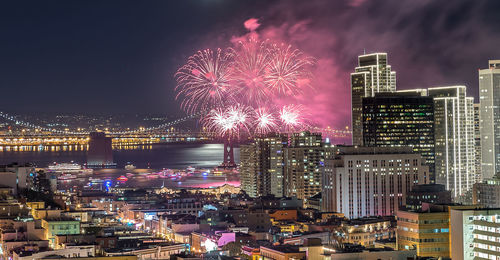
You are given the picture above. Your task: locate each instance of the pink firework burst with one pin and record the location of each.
(251, 61)
(204, 81)
(288, 72)
(292, 118)
(265, 122)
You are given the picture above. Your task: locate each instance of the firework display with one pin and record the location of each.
(237, 89)
(204, 82)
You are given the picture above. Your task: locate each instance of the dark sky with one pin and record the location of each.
(120, 56)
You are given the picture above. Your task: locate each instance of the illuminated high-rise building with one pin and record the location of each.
(400, 119)
(489, 98)
(303, 159)
(477, 142)
(372, 75)
(454, 139)
(261, 170)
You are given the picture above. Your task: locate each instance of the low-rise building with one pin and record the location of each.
(430, 193)
(59, 226)
(365, 231)
(30, 253)
(348, 252)
(487, 193)
(425, 230)
(283, 252)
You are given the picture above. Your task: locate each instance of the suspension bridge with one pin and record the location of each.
(33, 134)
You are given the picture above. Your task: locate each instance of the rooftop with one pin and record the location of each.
(284, 248)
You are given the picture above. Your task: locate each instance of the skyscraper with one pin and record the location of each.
(261, 169)
(477, 142)
(454, 139)
(303, 159)
(489, 98)
(400, 119)
(372, 75)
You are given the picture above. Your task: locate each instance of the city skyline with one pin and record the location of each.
(143, 75)
(250, 130)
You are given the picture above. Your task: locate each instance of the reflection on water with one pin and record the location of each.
(140, 178)
(159, 156)
(64, 148)
(43, 148)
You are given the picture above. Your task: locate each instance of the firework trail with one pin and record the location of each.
(204, 82)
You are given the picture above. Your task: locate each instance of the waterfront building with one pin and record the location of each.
(261, 169)
(477, 142)
(303, 159)
(372, 75)
(474, 233)
(487, 193)
(429, 193)
(454, 139)
(489, 98)
(400, 119)
(371, 181)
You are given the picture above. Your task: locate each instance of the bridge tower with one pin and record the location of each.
(100, 153)
(228, 155)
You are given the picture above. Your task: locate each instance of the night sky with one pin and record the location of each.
(120, 56)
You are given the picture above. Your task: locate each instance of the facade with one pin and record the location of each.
(55, 227)
(372, 75)
(489, 98)
(487, 193)
(371, 181)
(248, 170)
(261, 169)
(429, 193)
(16, 176)
(477, 142)
(426, 231)
(454, 139)
(474, 233)
(400, 119)
(303, 159)
(367, 231)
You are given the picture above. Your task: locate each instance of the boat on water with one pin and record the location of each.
(122, 178)
(69, 168)
(130, 167)
(66, 176)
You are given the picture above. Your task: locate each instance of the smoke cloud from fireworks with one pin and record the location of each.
(238, 90)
